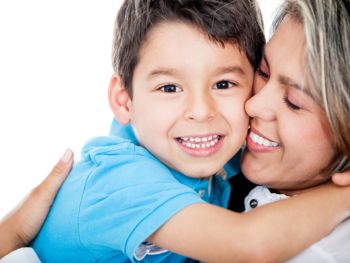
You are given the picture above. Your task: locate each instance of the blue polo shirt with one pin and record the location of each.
(116, 197)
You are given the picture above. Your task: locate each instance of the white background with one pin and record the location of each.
(54, 74)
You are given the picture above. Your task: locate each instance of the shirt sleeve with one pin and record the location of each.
(124, 204)
(23, 255)
(333, 248)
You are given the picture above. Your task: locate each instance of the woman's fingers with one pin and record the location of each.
(48, 188)
(341, 179)
(20, 226)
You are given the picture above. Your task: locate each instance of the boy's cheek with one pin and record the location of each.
(236, 106)
(238, 119)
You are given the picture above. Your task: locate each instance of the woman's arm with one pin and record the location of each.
(270, 233)
(22, 225)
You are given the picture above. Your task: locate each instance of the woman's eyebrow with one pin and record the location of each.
(286, 81)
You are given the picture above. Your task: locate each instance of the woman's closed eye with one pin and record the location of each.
(264, 74)
(291, 104)
(263, 70)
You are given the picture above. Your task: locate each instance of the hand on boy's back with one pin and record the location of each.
(20, 226)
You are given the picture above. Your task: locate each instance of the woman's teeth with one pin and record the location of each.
(199, 142)
(262, 141)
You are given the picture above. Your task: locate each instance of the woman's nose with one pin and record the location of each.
(261, 104)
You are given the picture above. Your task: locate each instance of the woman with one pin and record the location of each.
(300, 127)
(201, 252)
(302, 101)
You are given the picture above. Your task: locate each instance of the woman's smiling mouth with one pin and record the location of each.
(258, 143)
(262, 141)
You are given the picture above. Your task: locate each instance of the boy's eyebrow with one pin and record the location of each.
(173, 72)
(162, 71)
(230, 69)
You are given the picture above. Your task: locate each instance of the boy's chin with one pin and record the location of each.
(199, 172)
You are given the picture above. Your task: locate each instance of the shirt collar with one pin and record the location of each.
(231, 168)
(259, 196)
(125, 131)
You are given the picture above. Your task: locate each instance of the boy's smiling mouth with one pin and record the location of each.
(200, 146)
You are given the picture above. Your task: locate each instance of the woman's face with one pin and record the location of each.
(290, 141)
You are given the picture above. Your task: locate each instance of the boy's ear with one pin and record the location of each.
(119, 100)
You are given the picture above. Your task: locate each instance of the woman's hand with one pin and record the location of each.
(341, 179)
(21, 225)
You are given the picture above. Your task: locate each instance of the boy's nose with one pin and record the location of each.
(260, 105)
(200, 108)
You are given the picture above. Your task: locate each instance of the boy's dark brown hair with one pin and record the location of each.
(224, 21)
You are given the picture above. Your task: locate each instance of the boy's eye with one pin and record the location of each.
(170, 88)
(225, 84)
(262, 73)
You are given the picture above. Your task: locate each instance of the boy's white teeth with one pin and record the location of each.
(199, 142)
(262, 141)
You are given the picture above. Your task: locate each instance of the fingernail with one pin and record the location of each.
(67, 156)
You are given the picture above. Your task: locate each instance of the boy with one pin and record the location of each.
(182, 78)
(183, 71)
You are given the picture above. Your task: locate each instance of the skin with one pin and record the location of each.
(178, 96)
(283, 111)
(20, 226)
(227, 242)
(341, 179)
(195, 93)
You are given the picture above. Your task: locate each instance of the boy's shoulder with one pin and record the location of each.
(130, 191)
(120, 162)
(99, 148)
(119, 194)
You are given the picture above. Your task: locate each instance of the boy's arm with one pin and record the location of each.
(270, 233)
(22, 225)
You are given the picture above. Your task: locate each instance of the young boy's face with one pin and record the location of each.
(188, 99)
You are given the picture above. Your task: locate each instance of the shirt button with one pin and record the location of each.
(201, 192)
(253, 203)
